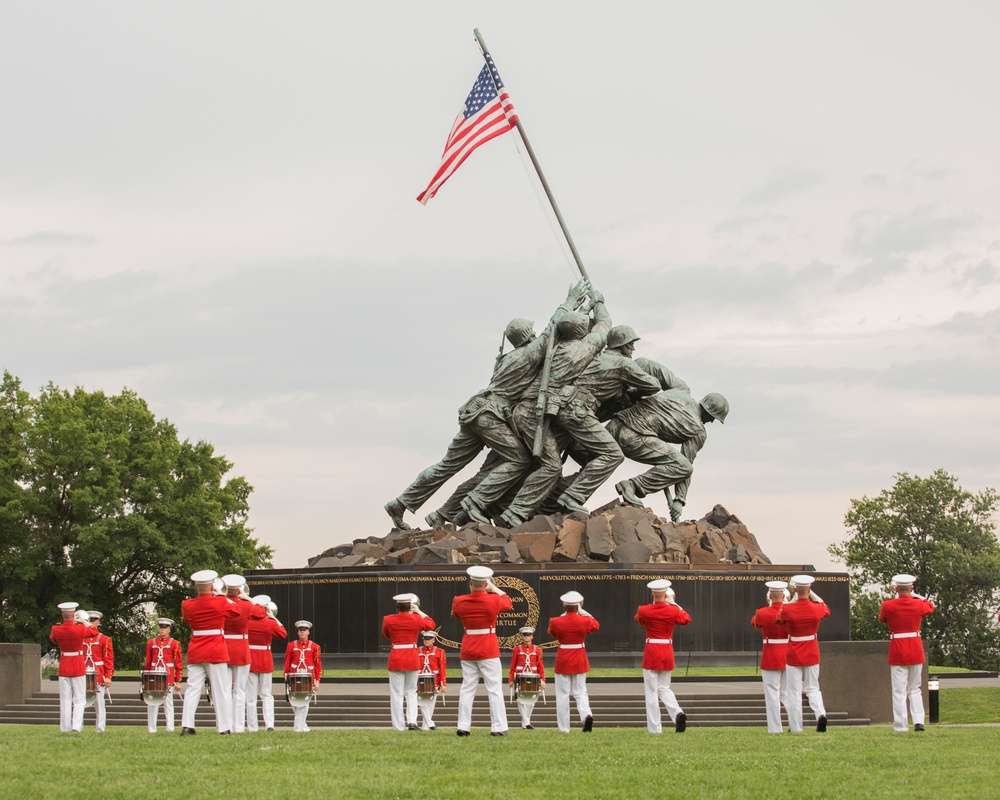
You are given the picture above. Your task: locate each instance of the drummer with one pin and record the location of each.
(100, 656)
(526, 660)
(432, 662)
(303, 656)
(401, 629)
(163, 654)
(70, 637)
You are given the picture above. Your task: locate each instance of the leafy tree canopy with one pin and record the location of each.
(102, 503)
(945, 537)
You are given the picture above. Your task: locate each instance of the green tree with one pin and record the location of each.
(101, 503)
(946, 537)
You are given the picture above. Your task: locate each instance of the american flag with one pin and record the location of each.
(486, 115)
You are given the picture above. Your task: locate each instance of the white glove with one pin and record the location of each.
(492, 587)
(583, 613)
(815, 597)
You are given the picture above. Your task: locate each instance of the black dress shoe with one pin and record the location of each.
(918, 727)
(224, 733)
(188, 731)
(821, 724)
(680, 722)
(412, 727)
(529, 727)
(270, 729)
(498, 733)
(432, 727)
(588, 724)
(463, 733)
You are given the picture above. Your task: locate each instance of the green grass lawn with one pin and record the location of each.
(704, 762)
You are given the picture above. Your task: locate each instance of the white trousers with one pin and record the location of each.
(567, 685)
(775, 697)
(299, 721)
(152, 712)
(259, 684)
(524, 708)
(238, 675)
(656, 683)
(797, 681)
(403, 686)
(72, 701)
(100, 712)
(906, 686)
(427, 711)
(222, 694)
(489, 670)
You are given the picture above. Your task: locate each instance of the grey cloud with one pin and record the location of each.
(985, 325)
(917, 169)
(783, 183)
(879, 233)
(51, 238)
(979, 276)
(875, 181)
(871, 273)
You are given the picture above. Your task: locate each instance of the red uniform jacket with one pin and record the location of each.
(235, 631)
(206, 614)
(307, 654)
(478, 611)
(165, 653)
(659, 620)
(904, 615)
(572, 628)
(801, 619)
(261, 632)
(70, 637)
(775, 649)
(99, 655)
(530, 657)
(402, 630)
(433, 661)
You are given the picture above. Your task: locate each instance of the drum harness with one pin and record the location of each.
(91, 666)
(528, 669)
(426, 670)
(302, 667)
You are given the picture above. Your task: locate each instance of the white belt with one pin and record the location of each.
(98, 663)
(659, 641)
(571, 647)
(403, 646)
(910, 635)
(479, 632)
(237, 636)
(213, 632)
(776, 641)
(802, 638)
(260, 647)
(168, 664)
(80, 653)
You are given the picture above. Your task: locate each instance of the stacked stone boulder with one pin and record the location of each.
(614, 533)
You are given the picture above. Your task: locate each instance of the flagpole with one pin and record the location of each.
(538, 171)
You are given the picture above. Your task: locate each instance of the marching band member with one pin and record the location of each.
(401, 629)
(70, 637)
(261, 632)
(772, 654)
(572, 664)
(659, 619)
(526, 659)
(432, 661)
(238, 645)
(164, 653)
(99, 654)
(904, 614)
(480, 653)
(303, 656)
(207, 655)
(801, 618)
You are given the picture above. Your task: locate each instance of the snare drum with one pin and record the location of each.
(154, 686)
(299, 686)
(91, 687)
(425, 686)
(528, 685)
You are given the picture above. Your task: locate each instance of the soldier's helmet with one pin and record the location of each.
(621, 335)
(574, 325)
(519, 331)
(716, 405)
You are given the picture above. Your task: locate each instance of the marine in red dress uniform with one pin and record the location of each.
(433, 661)
(904, 614)
(164, 653)
(526, 659)
(101, 658)
(70, 637)
(659, 619)
(238, 645)
(303, 656)
(261, 632)
(572, 664)
(402, 629)
(801, 618)
(772, 654)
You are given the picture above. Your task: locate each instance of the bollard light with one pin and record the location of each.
(933, 684)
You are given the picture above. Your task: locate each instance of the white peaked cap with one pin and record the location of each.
(414, 599)
(164, 621)
(527, 629)
(95, 615)
(802, 580)
(68, 606)
(480, 573)
(233, 581)
(303, 623)
(776, 586)
(903, 580)
(260, 599)
(204, 576)
(429, 634)
(659, 585)
(405, 597)
(572, 598)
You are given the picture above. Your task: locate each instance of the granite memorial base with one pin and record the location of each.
(20, 672)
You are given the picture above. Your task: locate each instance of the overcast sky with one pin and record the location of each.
(795, 204)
